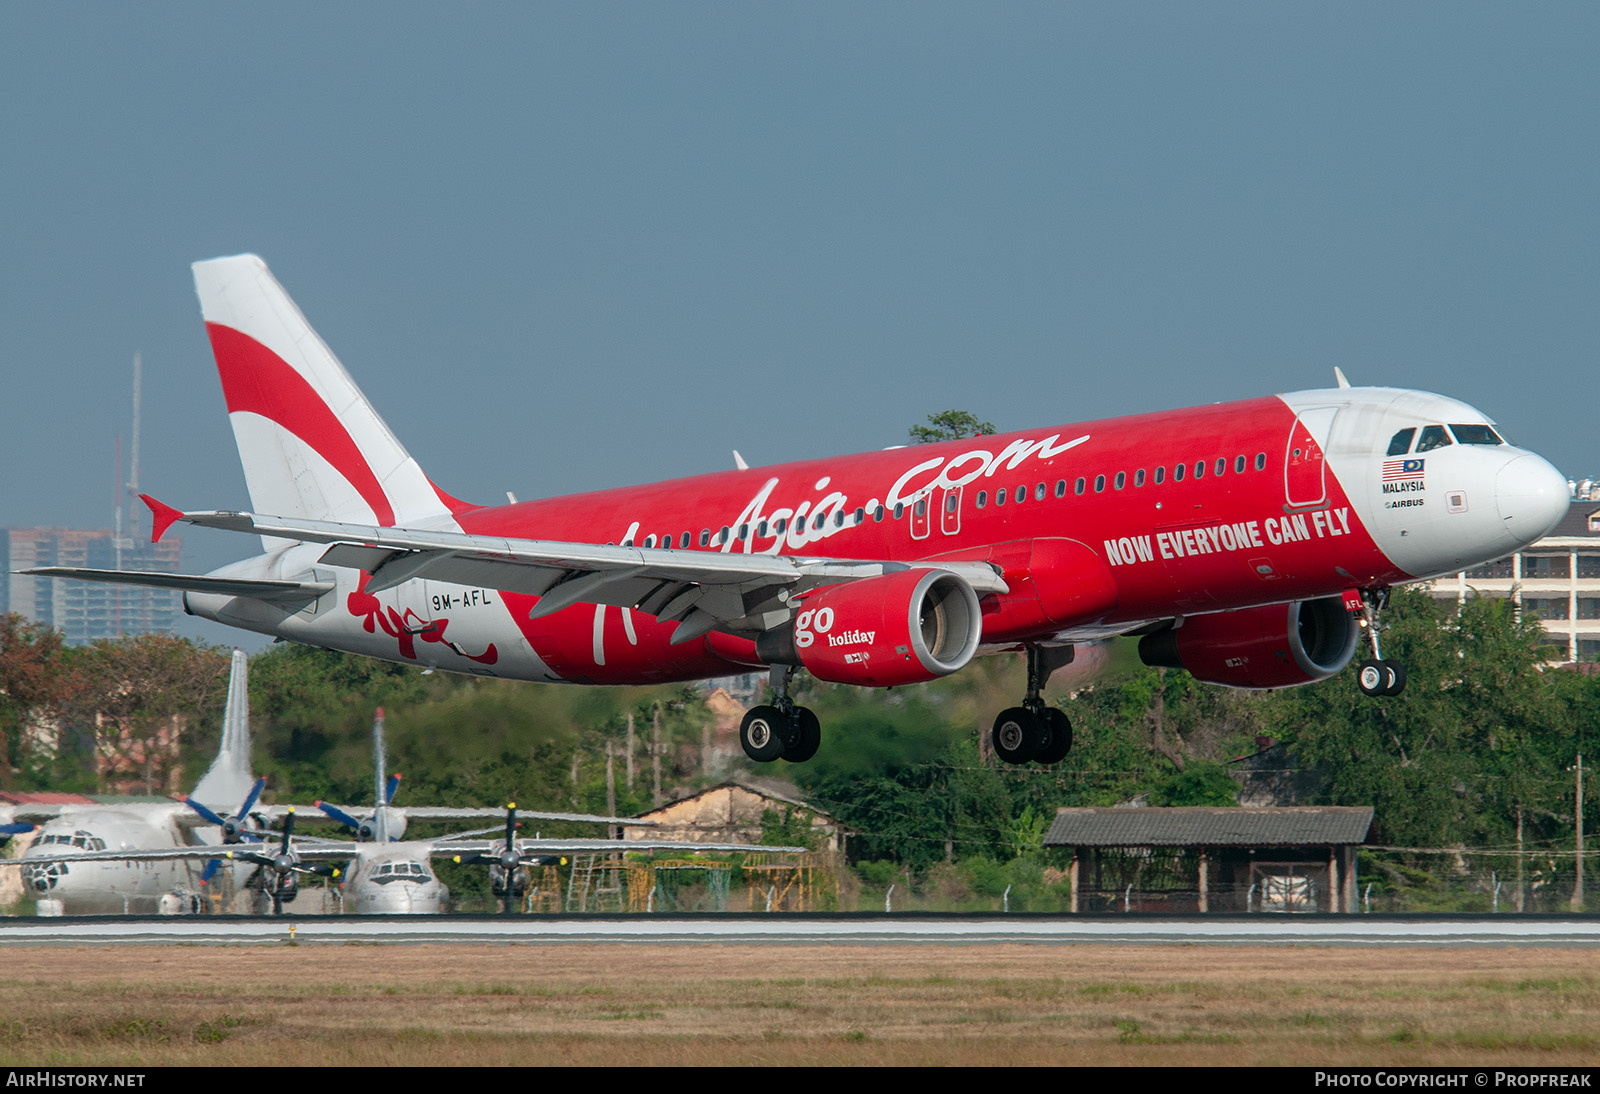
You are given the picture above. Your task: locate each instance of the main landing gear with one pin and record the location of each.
(1035, 731)
(780, 730)
(1375, 676)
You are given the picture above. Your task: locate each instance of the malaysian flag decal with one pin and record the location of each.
(1396, 470)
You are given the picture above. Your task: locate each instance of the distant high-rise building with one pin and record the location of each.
(86, 611)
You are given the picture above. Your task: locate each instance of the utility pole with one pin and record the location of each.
(1577, 889)
(611, 778)
(1518, 902)
(631, 772)
(655, 749)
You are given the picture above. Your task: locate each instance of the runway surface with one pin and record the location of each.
(1255, 930)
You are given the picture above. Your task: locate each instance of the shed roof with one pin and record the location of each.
(732, 784)
(1211, 826)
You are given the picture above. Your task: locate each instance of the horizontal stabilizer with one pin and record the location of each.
(281, 592)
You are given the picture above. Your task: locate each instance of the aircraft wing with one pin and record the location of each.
(338, 850)
(283, 592)
(307, 852)
(702, 591)
(447, 847)
(163, 854)
(34, 812)
(447, 813)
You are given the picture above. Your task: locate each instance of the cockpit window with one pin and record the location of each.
(1433, 436)
(84, 841)
(1400, 443)
(1475, 434)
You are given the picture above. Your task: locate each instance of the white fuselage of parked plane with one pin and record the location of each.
(109, 888)
(393, 879)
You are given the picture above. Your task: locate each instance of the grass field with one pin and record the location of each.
(853, 1005)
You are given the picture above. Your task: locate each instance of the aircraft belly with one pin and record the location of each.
(602, 644)
(429, 624)
(1054, 582)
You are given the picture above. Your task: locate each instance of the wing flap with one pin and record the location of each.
(726, 586)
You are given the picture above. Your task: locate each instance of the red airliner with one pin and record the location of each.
(1250, 543)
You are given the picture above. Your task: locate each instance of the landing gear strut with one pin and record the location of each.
(1035, 731)
(780, 730)
(1375, 676)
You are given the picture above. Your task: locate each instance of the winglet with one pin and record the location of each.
(163, 516)
(1338, 374)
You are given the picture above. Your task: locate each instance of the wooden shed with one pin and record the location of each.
(1213, 859)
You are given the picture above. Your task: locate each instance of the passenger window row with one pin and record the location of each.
(1000, 497)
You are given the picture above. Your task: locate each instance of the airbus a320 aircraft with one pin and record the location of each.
(1250, 543)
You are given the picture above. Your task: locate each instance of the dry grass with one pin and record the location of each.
(715, 1004)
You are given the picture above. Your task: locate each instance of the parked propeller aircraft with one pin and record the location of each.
(59, 871)
(1250, 543)
(383, 875)
(282, 867)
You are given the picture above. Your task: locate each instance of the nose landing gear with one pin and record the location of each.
(1035, 731)
(1375, 676)
(780, 730)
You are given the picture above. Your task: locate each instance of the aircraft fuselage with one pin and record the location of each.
(1096, 527)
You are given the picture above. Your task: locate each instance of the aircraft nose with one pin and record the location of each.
(1532, 497)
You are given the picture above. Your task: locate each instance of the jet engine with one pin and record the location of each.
(1277, 646)
(900, 628)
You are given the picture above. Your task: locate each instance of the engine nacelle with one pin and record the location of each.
(394, 823)
(901, 628)
(1277, 646)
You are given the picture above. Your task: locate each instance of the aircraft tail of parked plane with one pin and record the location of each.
(1251, 543)
(228, 780)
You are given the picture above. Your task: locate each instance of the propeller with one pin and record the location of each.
(355, 826)
(233, 828)
(9, 830)
(284, 866)
(508, 863)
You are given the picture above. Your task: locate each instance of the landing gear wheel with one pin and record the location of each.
(1017, 735)
(807, 738)
(760, 735)
(1058, 740)
(1396, 675)
(1371, 678)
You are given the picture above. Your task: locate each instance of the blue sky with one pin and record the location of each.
(571, 246)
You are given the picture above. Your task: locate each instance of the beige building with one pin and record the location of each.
(85, 611)
(1556, 579)
(731, 813)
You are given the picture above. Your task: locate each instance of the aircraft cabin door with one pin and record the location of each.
(1304, 465)
(921, 523)
(950, 510)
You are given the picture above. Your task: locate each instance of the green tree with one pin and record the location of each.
(1201, 782)
(32, 684)
(950, 425)
(1479, 734)
(141, 700)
